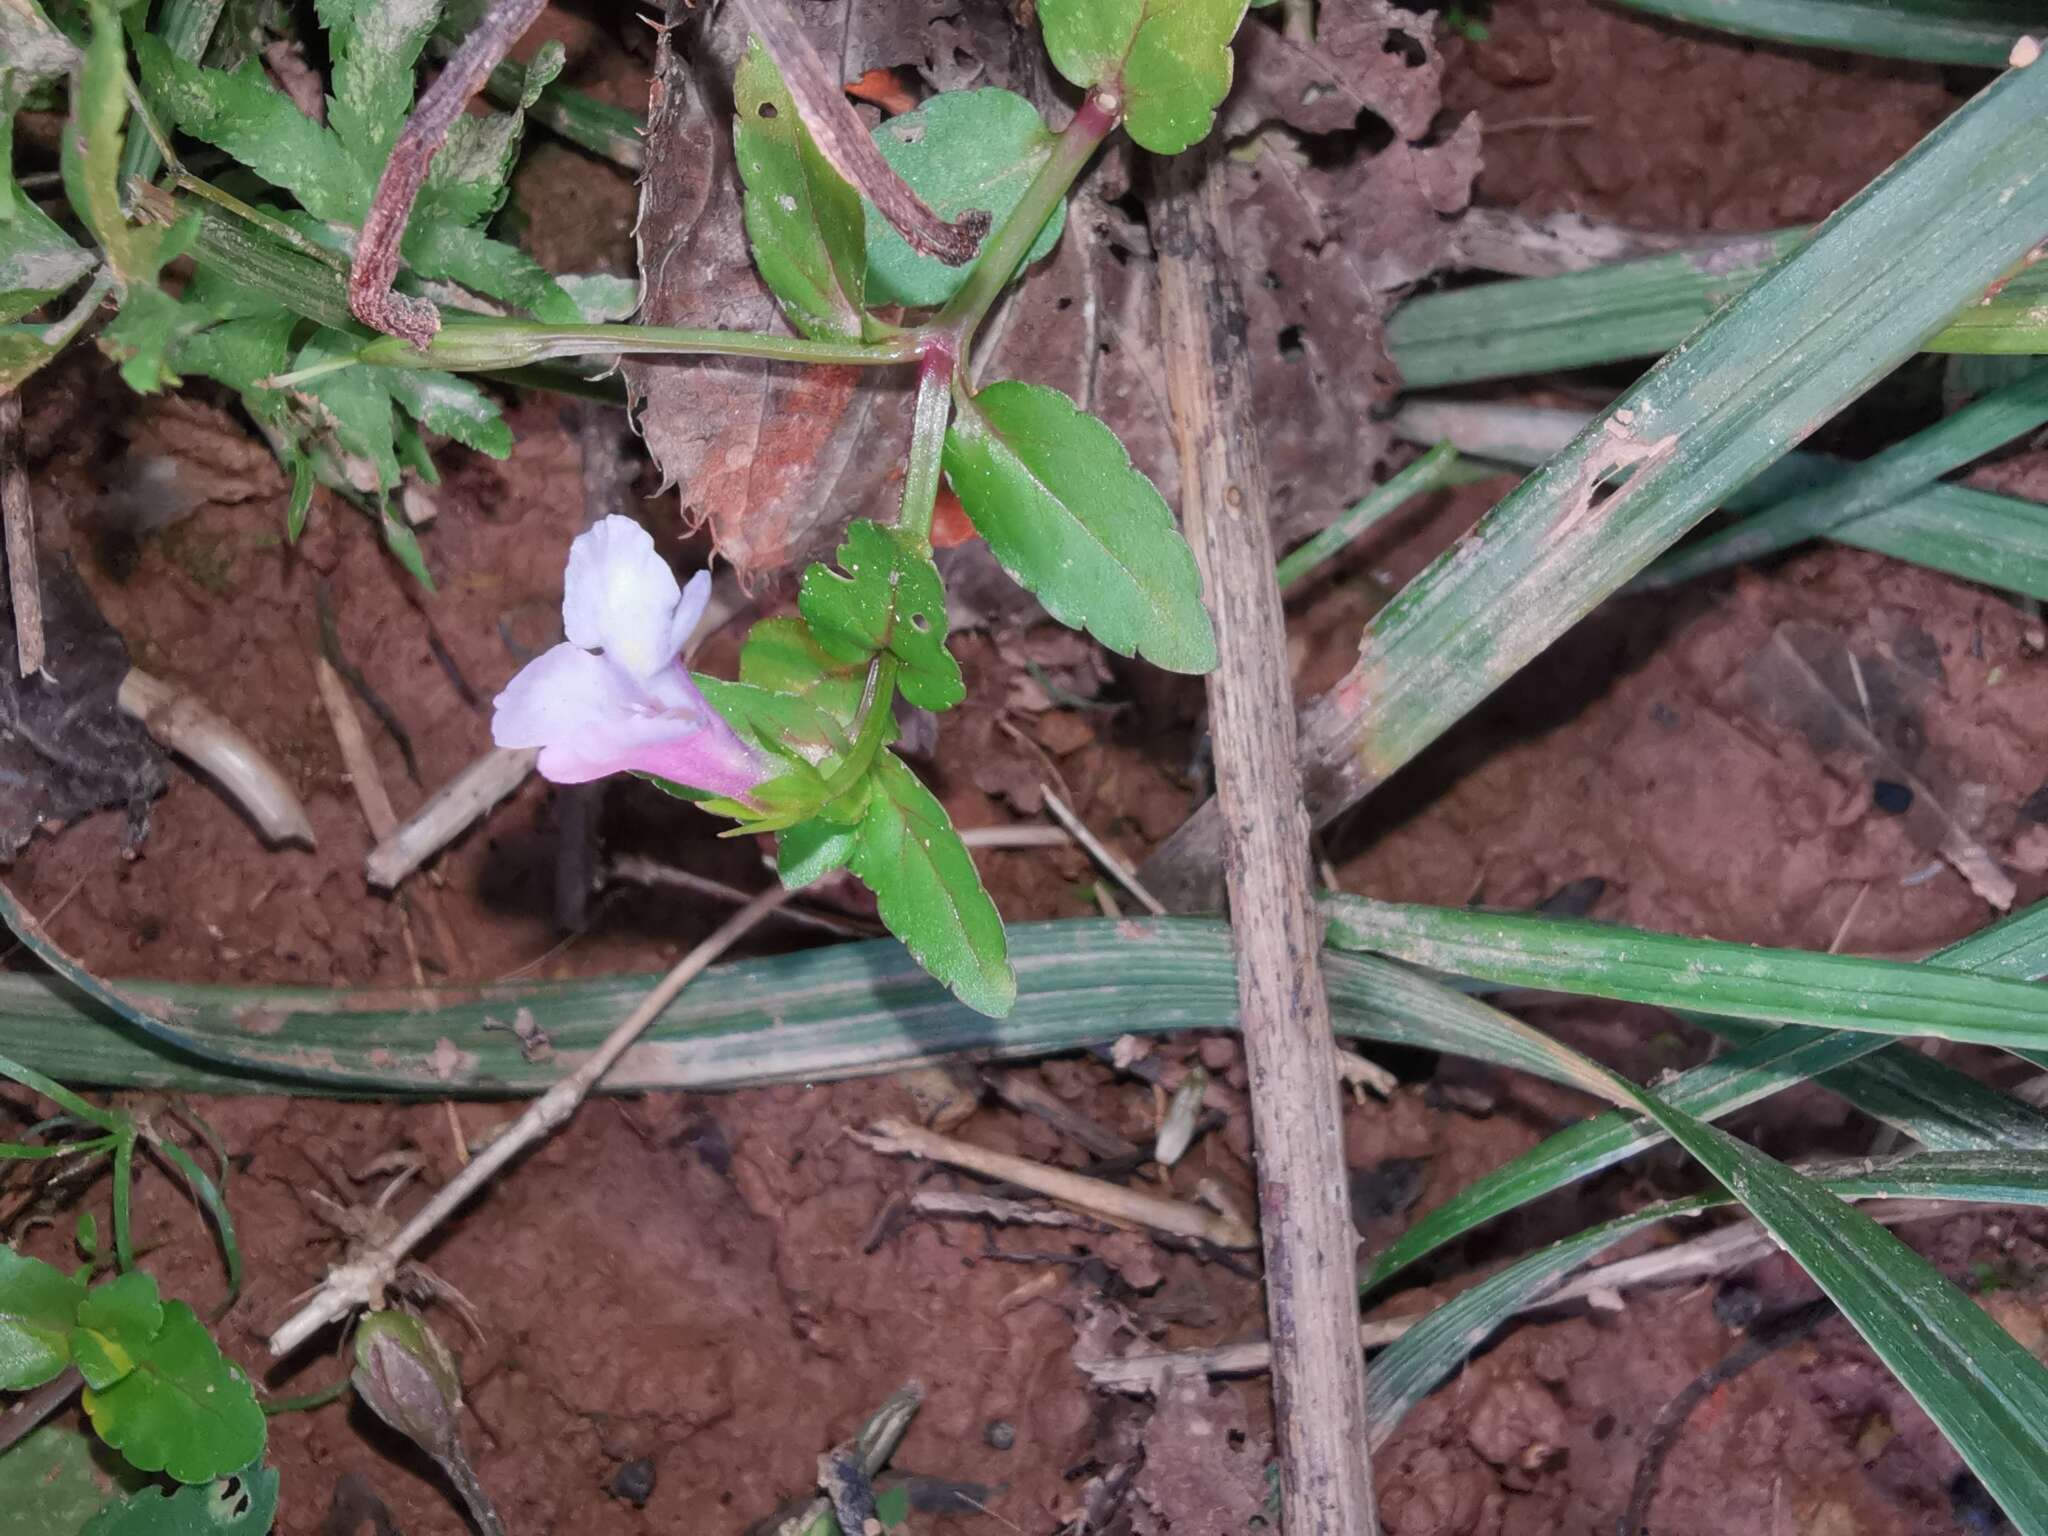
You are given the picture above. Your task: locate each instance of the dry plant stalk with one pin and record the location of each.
(362, 1281)
(1112, 1201)
(1309, 1241)
(23, 585)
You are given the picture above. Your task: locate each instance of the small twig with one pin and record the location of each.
(229, 758)
(448, 813)
(23, 586)
(1119, 871)
(638, 869)
(38, 1406)
(330, 647)
(1016, 837)
(843, 139)
(370, 296)
(1765, 1338)
(1128, 1206)
(1025, 1093)
(363, 776)
(361, 1282)
(1012, 1213)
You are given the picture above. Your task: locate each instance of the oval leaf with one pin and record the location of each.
(1073, 521)
(38, 1304)
(960, 151)
(184, 1409)
(928, 891)
(804, 223)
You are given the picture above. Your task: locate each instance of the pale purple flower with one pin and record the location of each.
(614, 697)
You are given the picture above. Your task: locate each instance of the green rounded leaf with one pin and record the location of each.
(928, 891)
(52, 1482)
(38, 1304)
(116, 1325)
(1169, 60)
(183, 1409)
(889, 598)
(804, 223)
(1074, 521)
(960, 151)
(244, 1504)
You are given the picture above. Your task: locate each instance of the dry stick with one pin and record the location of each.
(1123, 874)
(20, 518)
(638, 869)
(177, 720)
(31, 1410)
(1309, 1241)
(448, 813)
(843, 139)
(355, 752)
(1129, 1206)
(361, 1282)
(370, 297)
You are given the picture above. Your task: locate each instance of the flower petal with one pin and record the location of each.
(590, 719)
(620, 597)
(689, 612)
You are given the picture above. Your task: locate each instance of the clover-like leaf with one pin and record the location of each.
(803, 221)
(928, 891)
(1071, 519)
(114, 1328)
(242, 1504)
(1168, 60)
(181, 1408)
(38, 1305)
(889, 598)
(960, 151)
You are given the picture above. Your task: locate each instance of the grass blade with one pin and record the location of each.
(1857, 298)
(1631, 965)
(1980, 536)
(1897, 473)
(1979, 32)
(1643, 307)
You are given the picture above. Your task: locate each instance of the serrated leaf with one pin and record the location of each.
(451, 405)
(38, 1306)
(238, 352)
(1068, 515)
(491, 267)
(804, 223)
(141, 337)
(183, 1409)
(357, 409)
(49, 1483)
(244, 1504)
(600, 296)
(1168, 60)
(811, 850)
(960, 151)
(38, 260)
(890, 598)
(928, 891)
(376, 45)
(255, 122)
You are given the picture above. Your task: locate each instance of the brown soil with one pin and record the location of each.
(718, 1284)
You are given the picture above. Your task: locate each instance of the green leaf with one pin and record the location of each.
(811, 850)
(140, 339)
(491, 267)
(244, 1504)
(38, 1305)
(1744, 981)
(928, 892)
(445, 403)
(376, 45)
(114, 1328)
(783, 656)
(960, 151)
(890, 598)
(51, 1483)
(357, 407)
(1168, 60)
(785, 724)
(1070, 517)
(1988, 1395)
(38, 260)
(892, 1506)
(183, 1409)
(804, 223)
(258, 124)
(1977, 32)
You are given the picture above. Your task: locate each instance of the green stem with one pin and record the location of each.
(1427, 473)
(927, 445)
(306, 1402)
(468, 346)
(1006, 247)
